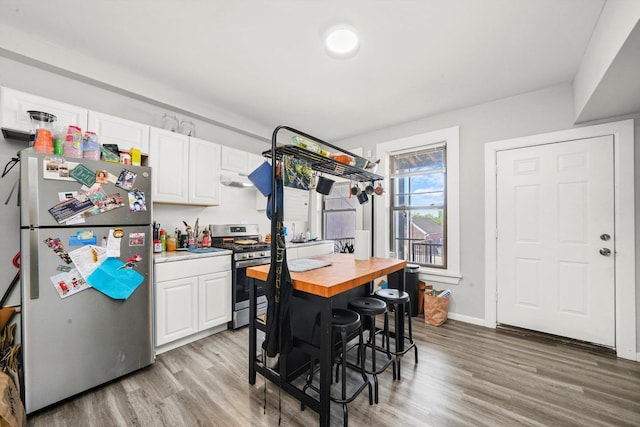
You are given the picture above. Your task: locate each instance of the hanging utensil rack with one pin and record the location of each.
(316, 161)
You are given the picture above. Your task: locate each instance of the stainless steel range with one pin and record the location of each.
(248, 250)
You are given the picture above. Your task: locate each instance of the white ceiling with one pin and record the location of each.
(257, 64)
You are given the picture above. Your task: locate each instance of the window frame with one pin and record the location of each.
(382, 223)
(393, 209)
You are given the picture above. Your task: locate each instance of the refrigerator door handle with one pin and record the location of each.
(32, 190)
(34, 277)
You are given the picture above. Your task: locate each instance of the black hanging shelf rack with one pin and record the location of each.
(318, 162)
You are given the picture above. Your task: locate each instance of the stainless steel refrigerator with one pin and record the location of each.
(73, 341)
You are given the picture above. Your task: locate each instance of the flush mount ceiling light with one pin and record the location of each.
(341, 41)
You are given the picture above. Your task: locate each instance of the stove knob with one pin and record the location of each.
(249, 255)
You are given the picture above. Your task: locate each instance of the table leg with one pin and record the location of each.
(252, 331)
(325, 361)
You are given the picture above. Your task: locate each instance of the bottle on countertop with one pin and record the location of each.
(307, 235)
(191, 240)
(206, 240)
(172, 243)
(163, 240)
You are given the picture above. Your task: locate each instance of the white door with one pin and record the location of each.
(555, 221)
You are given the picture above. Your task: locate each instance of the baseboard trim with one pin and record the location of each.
(189, 339)
(482, 322)
(466, 319)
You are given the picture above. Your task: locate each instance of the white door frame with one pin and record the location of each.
(625, 287)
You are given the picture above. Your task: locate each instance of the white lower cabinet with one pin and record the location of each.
(189, 308)
(176, 309)
(214, 302)
(310, 250)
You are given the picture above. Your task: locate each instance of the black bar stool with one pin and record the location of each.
(369, 308)
(397, 300)
(345, 323)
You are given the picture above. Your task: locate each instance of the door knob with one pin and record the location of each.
(605, 237)
(605, 251)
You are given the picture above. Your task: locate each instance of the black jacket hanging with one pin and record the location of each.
(279, 288)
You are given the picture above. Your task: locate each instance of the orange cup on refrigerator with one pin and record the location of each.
(44, 142)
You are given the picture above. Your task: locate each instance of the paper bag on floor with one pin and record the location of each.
(11, 410)
(435, 309)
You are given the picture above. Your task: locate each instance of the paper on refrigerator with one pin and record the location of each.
(69, 282)
(88, 258)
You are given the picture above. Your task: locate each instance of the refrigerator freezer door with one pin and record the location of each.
(86, 339)
(44, 180)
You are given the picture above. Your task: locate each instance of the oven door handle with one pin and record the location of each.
(252, 262)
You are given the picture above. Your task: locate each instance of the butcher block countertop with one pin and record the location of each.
(343, 274)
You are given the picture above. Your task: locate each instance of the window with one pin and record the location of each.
(423, 183)
(340, 217)
(418, 206)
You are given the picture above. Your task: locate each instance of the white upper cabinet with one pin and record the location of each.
(234, 160)
(204, 173)
(15, 104)
(239, 161)
(126, 134)
(185, 170)
(253, 161)
(169, 158)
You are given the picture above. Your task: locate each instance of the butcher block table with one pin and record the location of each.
(315, 291)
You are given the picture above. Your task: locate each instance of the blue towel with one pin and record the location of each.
(113, 281)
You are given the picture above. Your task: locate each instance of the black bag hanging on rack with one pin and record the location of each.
(278, 289)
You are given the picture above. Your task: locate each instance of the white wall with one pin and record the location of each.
(533, 113)
(237, 206)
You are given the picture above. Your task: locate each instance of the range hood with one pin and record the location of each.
(234, 179)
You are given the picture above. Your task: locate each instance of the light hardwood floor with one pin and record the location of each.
(466, 376)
